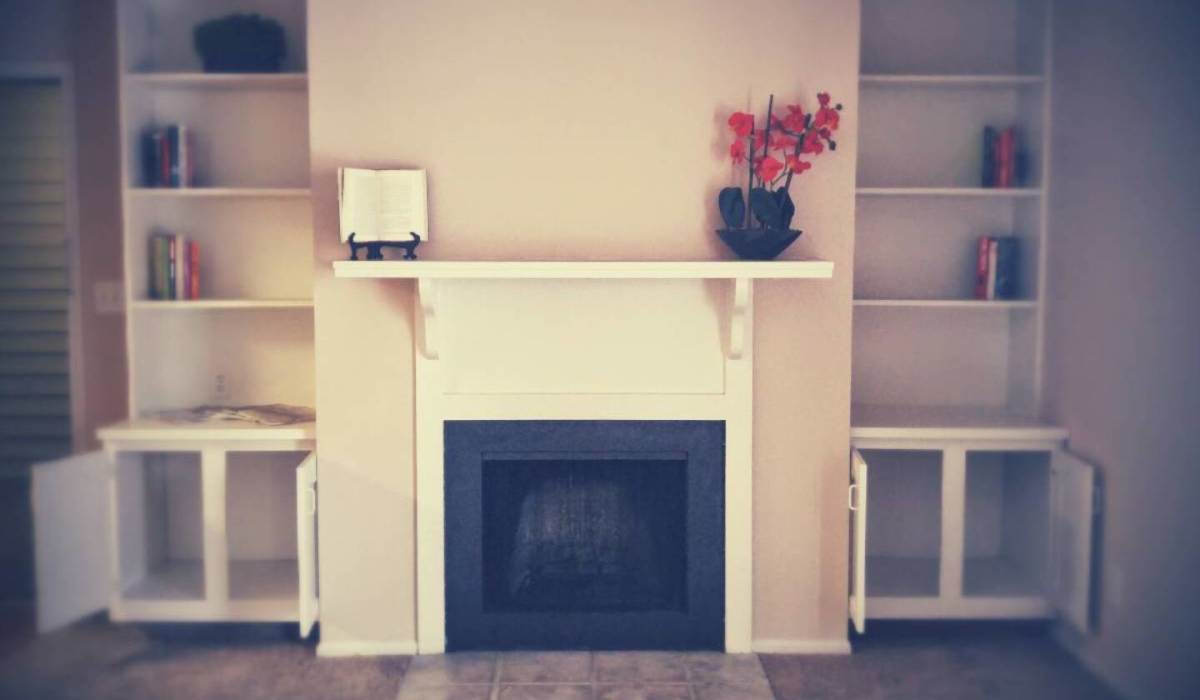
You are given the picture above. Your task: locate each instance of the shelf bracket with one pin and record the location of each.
(427, 292)
(739, 318)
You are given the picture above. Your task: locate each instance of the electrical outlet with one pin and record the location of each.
(221, 388)
(109, 298)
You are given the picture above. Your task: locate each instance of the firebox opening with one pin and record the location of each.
(584, 535)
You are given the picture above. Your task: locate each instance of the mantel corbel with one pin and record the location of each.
(739, 318)
(427, 291)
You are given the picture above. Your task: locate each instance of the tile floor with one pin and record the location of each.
(98, 660)
(586, 676)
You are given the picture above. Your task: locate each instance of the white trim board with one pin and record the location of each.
(353, 647)
(825, 647)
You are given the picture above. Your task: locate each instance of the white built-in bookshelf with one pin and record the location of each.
(974, 509)
(934, 73)
(235, 511)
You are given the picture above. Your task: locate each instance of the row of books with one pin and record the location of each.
(167, 156)
(1005, 163)
(174, 267)
(996, 268)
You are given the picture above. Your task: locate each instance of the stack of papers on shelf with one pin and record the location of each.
(268, 414)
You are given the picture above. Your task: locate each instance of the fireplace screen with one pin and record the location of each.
(584, 535)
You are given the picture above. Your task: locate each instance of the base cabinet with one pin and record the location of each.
(962, 530)
(162, 534)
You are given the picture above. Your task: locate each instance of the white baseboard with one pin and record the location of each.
(356, 648)
(801, 646)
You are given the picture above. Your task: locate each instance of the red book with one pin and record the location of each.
(981, 267)
(193, 260)
(1004, 158)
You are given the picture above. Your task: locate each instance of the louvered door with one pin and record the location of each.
(35, 397)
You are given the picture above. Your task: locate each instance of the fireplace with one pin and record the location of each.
(584, 534)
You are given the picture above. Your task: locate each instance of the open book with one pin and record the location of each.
(382, 205)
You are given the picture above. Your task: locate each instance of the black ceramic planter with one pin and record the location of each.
(758, 243)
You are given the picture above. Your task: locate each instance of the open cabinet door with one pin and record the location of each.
(858, 541)
(306, 541)
(70, 501)
(1072, 513)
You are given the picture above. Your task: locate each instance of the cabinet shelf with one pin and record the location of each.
(219, 81)
(950, 80)
(220, 304)
(985, 304)
(146, 430)
(874, 421)
(1000, 192)
(200, 192)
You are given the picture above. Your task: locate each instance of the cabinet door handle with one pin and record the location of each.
(850, 495)
(311, 501)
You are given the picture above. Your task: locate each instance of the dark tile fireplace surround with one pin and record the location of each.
(585, 534)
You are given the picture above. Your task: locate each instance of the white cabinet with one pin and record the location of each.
(970, 529)
(188, 531)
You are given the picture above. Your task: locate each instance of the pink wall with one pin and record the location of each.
(586, 130)
(97, 154)
(1123, 368)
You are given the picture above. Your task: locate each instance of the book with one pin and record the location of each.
(1004, 158)
(171, 268)
(981, 267)
(991, 269)
(1005, 277)
(989, 157)
(382, 205)
(181, 268)
(193, 256)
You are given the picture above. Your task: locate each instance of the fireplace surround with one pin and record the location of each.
(584, 534)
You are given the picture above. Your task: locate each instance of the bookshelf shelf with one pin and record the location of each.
(971, 304)
(990, 192)
(950, 81)
(219, 304)
(220, 81)
(219, 192)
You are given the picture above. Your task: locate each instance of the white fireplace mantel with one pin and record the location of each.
(584, 341)
(474, 269)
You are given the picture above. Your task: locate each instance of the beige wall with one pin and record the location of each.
(97, 160)
(1124, 333)
(587, 130)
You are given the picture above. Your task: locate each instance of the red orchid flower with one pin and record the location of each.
(767, 168)
(794, 121)
(796, 165)
(783, 142)
(823, 98)
(812, 143)
(741, 123)
(826, 118)
(737, 151)
(759, 139)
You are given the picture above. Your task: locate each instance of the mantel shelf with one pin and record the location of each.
(429, 270)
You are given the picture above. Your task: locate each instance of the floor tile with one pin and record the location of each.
(446, 692)
(643, 691)
(729, 691)
(545, 692)
(649, 666)
(545, 667)
(727, 669)
(450, 669)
